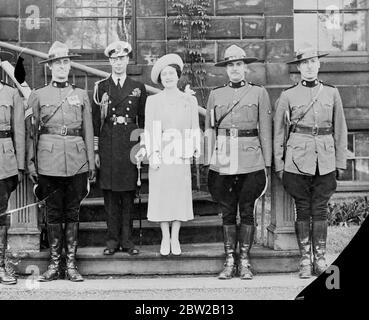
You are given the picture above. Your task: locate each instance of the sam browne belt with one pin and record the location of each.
(62, 131)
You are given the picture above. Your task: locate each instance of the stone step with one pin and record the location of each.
(198, 258)
(201, 229)
(92, 209)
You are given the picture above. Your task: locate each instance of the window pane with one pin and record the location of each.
(305, 4)
(330, 31)
(356, 4)
(70, 32)
(93, 33)
(362, 170)
(354, 31)
(362, 145)
(305, 29)
(348, 173)
(329, 4)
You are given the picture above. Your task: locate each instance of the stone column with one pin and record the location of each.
(281, 231)
(23, 234)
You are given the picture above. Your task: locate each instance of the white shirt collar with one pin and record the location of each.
(122, 79)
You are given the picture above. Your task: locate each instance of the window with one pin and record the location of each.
(88, 26)
(332, 25)
(358, 157)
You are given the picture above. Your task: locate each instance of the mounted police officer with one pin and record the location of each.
(12, 157)
(239, 149)
(60, 157)
(310, 142)
(118, 110)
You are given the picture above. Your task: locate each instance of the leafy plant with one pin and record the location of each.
(345, 213)
(193, 23)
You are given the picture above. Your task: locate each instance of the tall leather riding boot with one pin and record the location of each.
(5, 277)
(319, 237)
(55, 235)
(230, 237)
(303, 240)
(71, 238)
(246, 239)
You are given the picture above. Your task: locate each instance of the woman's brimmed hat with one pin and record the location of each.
(6, 55)
(306, 53)
(235, 53)
(58, 51)
(163, 62)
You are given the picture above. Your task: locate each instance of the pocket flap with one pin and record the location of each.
(8, 147)
(48, 146)
(81, 146)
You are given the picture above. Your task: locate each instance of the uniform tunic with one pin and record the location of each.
(117, 165)
(244, 154)
(57, 154)
(306, 152)
(172, 131)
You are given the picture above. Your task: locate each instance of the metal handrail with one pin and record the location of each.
(78, 66)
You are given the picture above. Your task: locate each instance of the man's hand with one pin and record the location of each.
(97, 160)
(280, 175)
(33, 177)
(140, 155)
(339, 174)
(92, 175)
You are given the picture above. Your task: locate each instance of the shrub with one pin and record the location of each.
(344, 213)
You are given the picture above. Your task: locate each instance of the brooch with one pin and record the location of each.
(136, 92)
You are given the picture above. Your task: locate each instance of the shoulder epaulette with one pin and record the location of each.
(327, 84)
(97, 82)
(222, 86)
(254, 84)
(294, 85)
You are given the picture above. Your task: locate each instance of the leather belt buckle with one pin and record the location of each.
(315, 131)
(233, 132)
(63, 131)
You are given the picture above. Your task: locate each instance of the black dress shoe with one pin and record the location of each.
(131, 251)
(109, 251)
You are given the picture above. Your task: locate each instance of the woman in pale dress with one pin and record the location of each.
(171, 140)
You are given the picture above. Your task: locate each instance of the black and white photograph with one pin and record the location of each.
(183, 155)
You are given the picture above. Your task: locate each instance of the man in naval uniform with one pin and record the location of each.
(238, 148)
(60, 157)
(12, 158)
(118, 109)
(310, 143)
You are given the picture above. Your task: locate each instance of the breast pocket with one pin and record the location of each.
(74, 112)
(5, 114)
(251, 112)
(327, 111)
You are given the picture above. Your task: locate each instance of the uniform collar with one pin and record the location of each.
(310, 84)
(58, 84)
(122, 79)
(236, 85)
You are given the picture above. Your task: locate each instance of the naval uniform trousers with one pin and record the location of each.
(238, 190)
(311, 194)
(64, 197)
(119, 206)
(7, 186)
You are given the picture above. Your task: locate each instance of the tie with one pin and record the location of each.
(119, 82)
